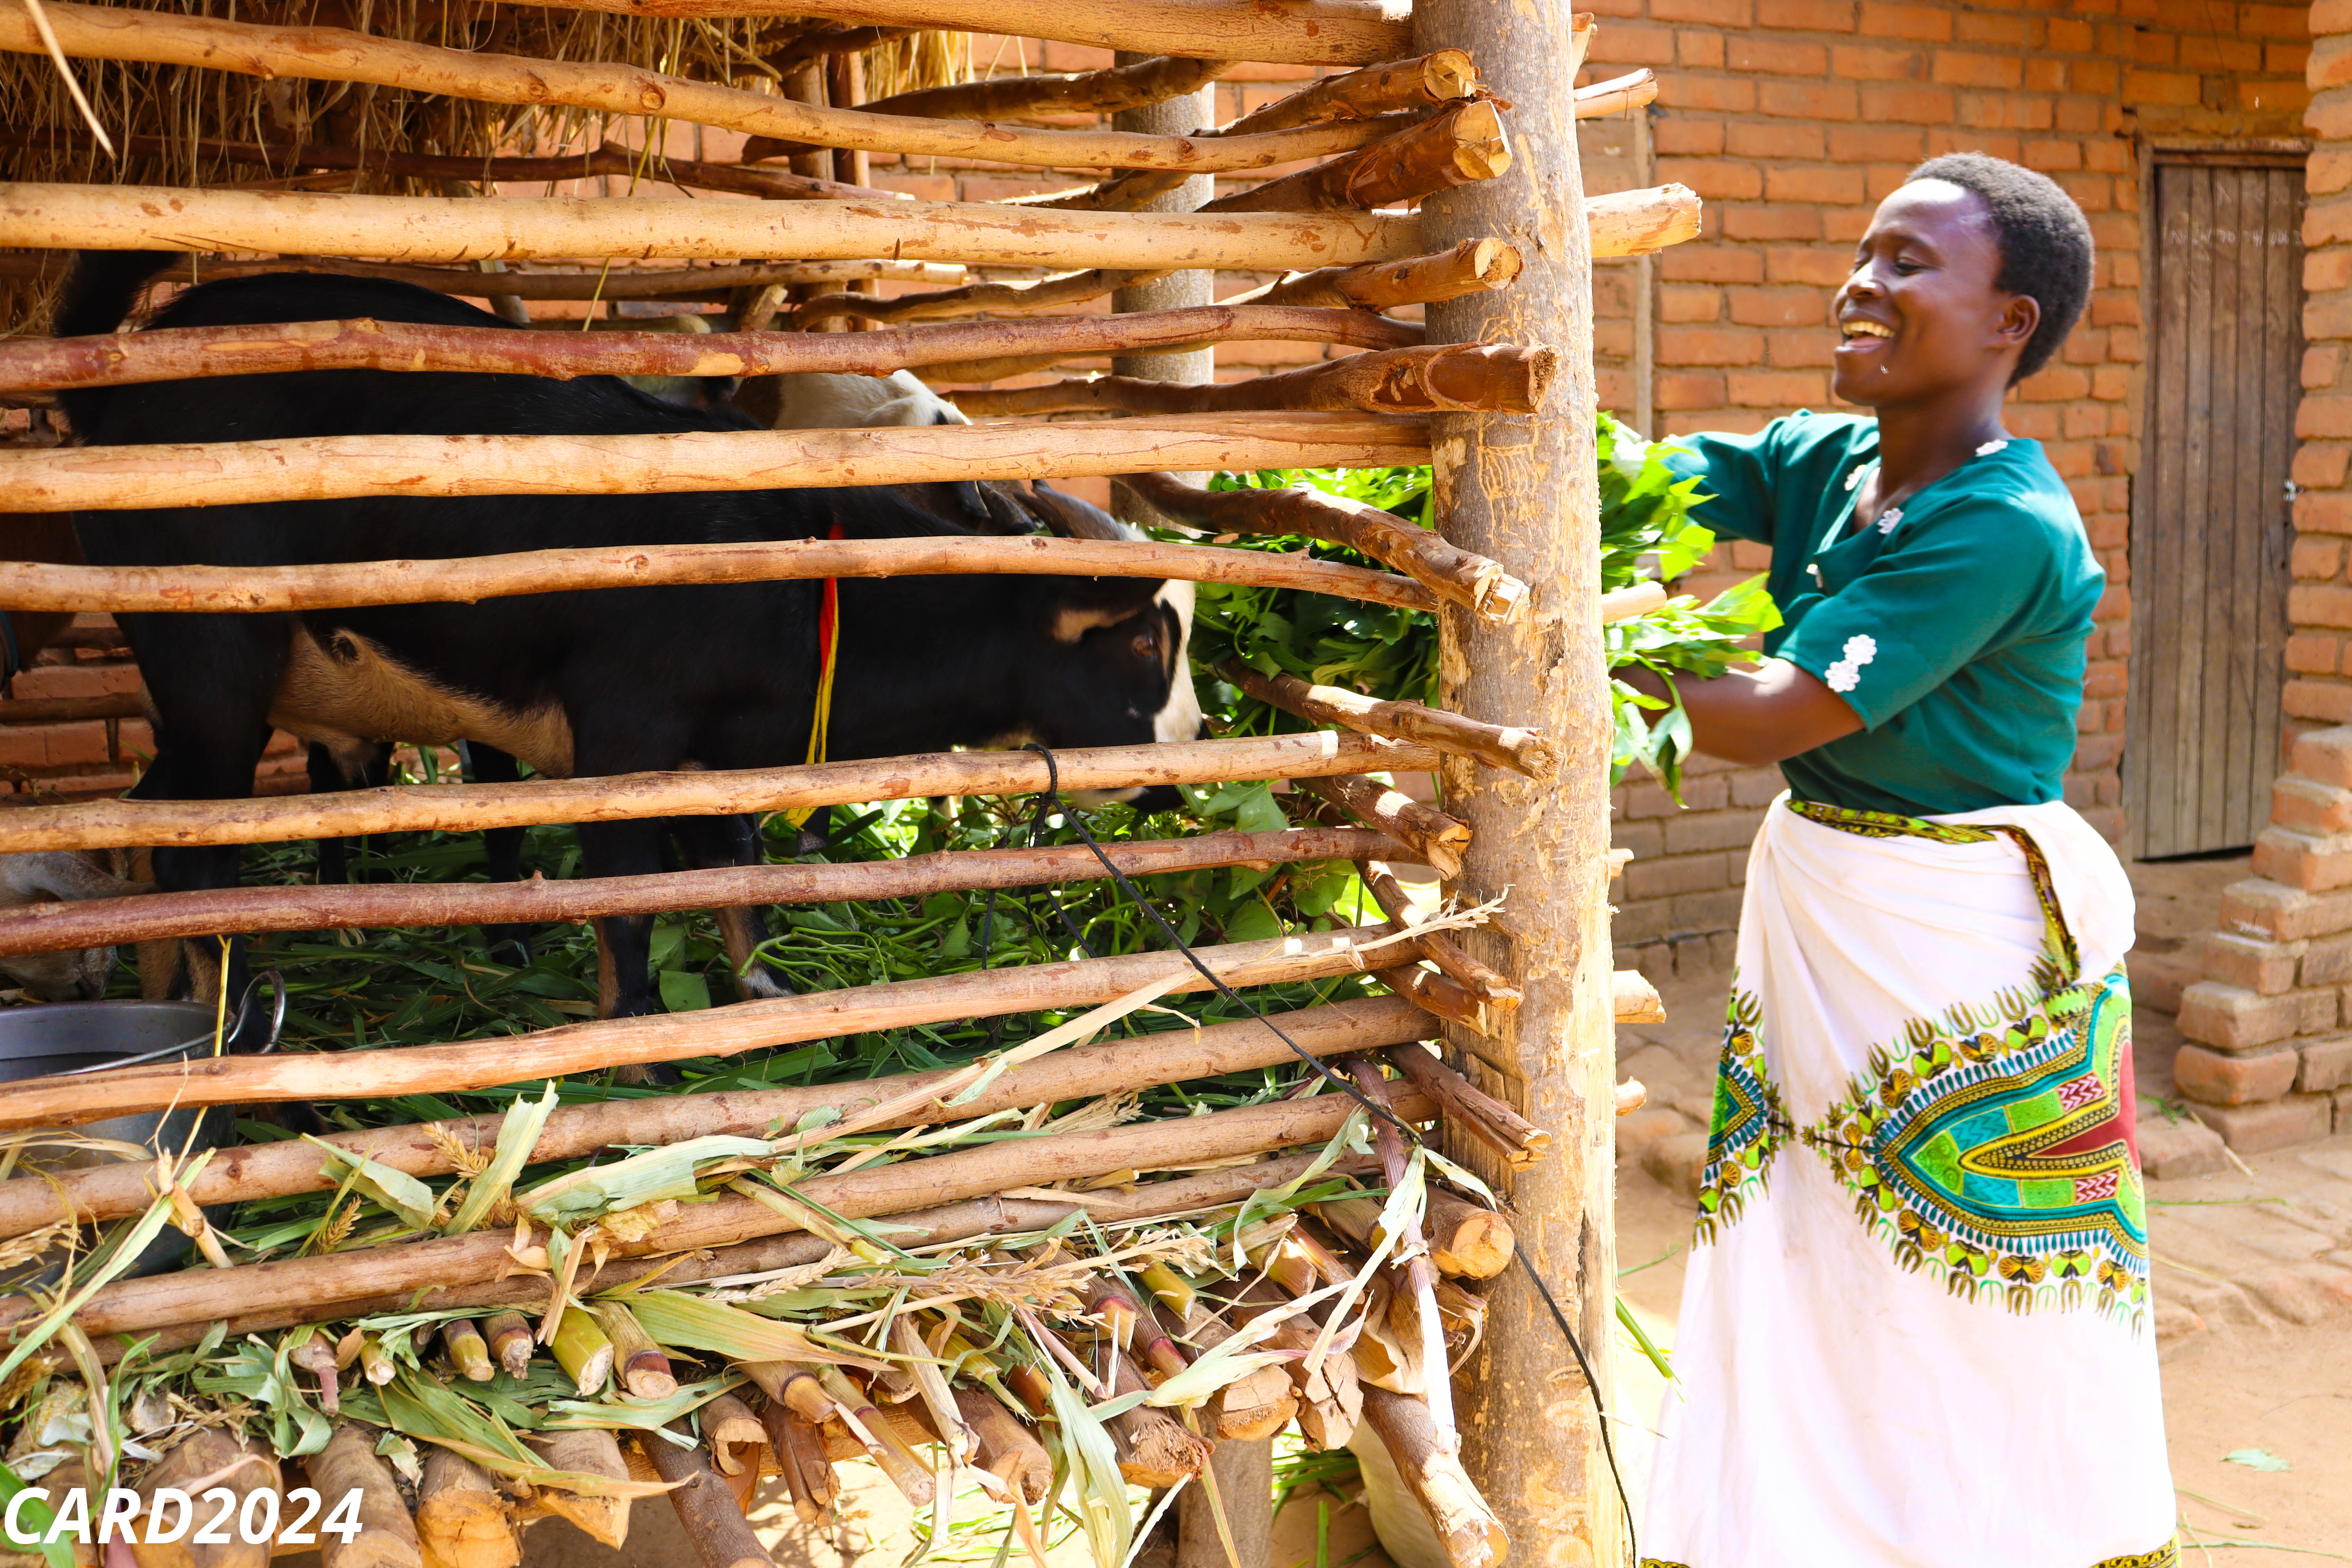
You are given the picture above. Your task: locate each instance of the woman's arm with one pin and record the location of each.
(1758, 715)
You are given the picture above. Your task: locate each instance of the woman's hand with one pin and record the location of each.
(1755, 715)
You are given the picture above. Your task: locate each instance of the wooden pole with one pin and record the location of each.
(459, 808)
(334, 54)
(707, 1508)
(1454, 376)
(951, 1222)
(590, 283)
(1297, 32)
(1452, 574)
(1464, 144)
(1618, 95)
(1636, 223)
(1152, 78)
(312, 1283)
(575, 1131)
(975, 299)
(1470, 267)
(657, 1037)
(322, 468)
(441, 228)
(32, 585)
(1522, 490)
(1437, 838)
(1496, 745)
(176, 353)
(1425, 81)
(62, 927)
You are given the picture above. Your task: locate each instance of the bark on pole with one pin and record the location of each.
(1521, 489)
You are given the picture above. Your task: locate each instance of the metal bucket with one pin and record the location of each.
(59, 1038)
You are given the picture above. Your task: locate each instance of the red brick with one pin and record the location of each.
(1714, 179)
(2068, 36)
(1722, 264)
(2327, 960)
(1954, 68)
(1724, 13)
(1677, 390)
(2313, 606)
(2328, 702)
(1682, 302)
(1758, 53)
(1680, 136)
(1700, 50)
(2209, 1078)
(1778, 389)
(2167, 88)
(1807, 101)
(2279, 1124)
(1771, 222)
(1774, 139)
(1908, 106)
(2317, 467)
(2236, 1019)
(1710, 345)
(2322, 363)
(1878, 145)
(1800, 348)
(2327, 1064)
(1896, 21)
(1806, 16)
(2249, 964)
(2286, 21)
(2312, 654)
(2324, 756)
(2316, 560)
(1807, 264)
(2217, 53)
(1722, 95)
(1815, 184)
(2322, 510)
(2314, 862)
(1676, 874)
(1777, 307)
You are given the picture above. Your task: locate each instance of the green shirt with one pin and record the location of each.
(1954, 626)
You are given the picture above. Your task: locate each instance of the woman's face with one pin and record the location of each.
(1919, 317)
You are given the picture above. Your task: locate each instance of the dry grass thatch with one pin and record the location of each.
(178, 108)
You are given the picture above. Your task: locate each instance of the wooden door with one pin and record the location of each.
(2210, 525)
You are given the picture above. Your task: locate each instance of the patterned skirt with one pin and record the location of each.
(1915, 1331)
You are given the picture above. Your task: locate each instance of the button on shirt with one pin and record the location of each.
(1953, 624)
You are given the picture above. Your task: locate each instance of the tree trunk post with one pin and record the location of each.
(1521, 489)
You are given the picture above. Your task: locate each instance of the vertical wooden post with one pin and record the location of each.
(1522, 490)
(1175, 117)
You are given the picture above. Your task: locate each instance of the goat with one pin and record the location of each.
(609, 682)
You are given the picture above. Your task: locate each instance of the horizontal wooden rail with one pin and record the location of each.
(1470, 267)
(69, 709)
(98, 922)
(1133, 86)
(460, 808)
(1295, 32)
(176, 353)
(1618, 95)
(573, 1132)
(1451, 573)
(670, 1037)
(231, 590)
(1637, 223)
(447, 229)
(585, 283)
(194, 1296)
(628, 163)
(336, 53)
(1431, 378)
(320, 468)
(1496, 745)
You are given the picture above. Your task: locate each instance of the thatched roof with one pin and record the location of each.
(163, 117)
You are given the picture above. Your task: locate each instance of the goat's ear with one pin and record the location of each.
(1081, 605)
(1071, 518)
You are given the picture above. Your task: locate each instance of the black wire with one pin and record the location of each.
(1052, 795)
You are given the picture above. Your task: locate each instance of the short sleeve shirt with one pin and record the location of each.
(1954, 624)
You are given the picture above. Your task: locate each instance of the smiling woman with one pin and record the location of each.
(1915, 1330)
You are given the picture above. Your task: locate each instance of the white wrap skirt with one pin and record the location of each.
(1915, 1333)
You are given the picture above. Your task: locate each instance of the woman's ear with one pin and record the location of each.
(2017, 322)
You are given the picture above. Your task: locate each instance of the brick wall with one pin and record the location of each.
(1792, 117)
(2270, 1062)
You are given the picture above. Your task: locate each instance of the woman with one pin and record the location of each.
(1915, 1333)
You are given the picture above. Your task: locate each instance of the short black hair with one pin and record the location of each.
(2045, 243)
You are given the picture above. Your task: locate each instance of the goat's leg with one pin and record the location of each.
(715, 841)
(502, 848)
(331, 774)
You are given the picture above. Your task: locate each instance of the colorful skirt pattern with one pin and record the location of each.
(1914, 1333)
